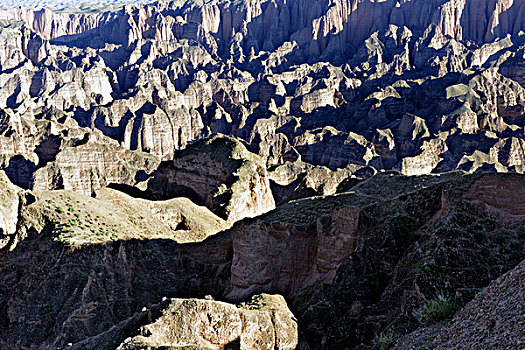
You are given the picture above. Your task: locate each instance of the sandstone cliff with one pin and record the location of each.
(333, 84)
(352, 266)
(145, 147)
(219, 173)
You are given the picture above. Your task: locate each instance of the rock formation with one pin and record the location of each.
(92, 163)
(361, 161)
(8, 209)
(430, 93)
(352, 266)
(219, 173)
(263, 323)
(100, 261)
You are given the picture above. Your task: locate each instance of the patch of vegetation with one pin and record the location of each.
(47, 308)
(430, 267)
(386, 340)
(258, 302)
(413, 236)
(436, 310)
(479, 235)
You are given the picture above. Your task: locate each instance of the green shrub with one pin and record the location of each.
(413, 236)
(386, 340)
(47, 308)
(480, 235)
(436, 310)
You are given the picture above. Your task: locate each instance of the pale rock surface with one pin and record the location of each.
(9, 209)
(219, 173)
(264, 323)
(95, 162)
(298, 81)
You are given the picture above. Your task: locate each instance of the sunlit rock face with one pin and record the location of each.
(219, 173)
(264, 323)
(120, 272)
(347, 155)
(10, 200)
(417, 86)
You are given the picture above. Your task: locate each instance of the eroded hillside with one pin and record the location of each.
(262, 174)
(331, 84)
(352, 266)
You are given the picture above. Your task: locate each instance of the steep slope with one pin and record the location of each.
(492, 320)
(351, 266)
(219, 173)
(10, 202)
(98, 261)
(143, 149)
(364, 263)
(333, 84)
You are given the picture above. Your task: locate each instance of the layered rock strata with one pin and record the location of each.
(352, 266)
(219, 173)
(421, 94)
(265, 322)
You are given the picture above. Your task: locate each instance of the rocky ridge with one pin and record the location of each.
(219, 173)
(154, 155)
(319, 86)
(352, 266)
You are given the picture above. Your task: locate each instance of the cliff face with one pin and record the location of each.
(330, 84)
(200, 117)
(8, 209)
(351, 266)
(219, 173)
(326, 230)
(316, 27)
(93, 163)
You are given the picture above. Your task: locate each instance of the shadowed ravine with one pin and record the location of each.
(263, 174)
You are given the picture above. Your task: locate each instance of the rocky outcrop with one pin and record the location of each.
(10, 202)
(263, 323)
(112, 216)
(304, 242)
(333, 242)
(422, 94)
(178, 218)
(219, 173)
(298, 180)
(94, 162)
(105, 258)
(399, 291)
(352, 266)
